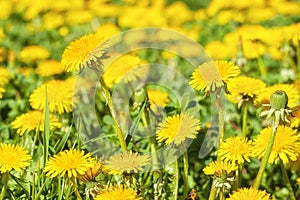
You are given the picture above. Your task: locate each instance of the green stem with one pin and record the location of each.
(261, 66)
(220, 108)
(176, 180)
(266, 158)
(221, 195)
(185, 173)
(5, 179)
(287, 180)
(76, 189)
(245, 117)
(110, 106)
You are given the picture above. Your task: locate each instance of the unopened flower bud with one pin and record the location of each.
(279, 100)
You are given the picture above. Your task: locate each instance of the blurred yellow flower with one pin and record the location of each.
(176, 129)
(33, 53)
(4, 79)
(49, 68)
(60, 96)
(52, 20)
(221, 50)
(291, 91)
(6, 10)
(3, 52)
(212, 75)
(69, 163)
(127, 162)
(285, 145)
(83, 52)
(107, 29)
(249, 194)
(236, 150)
(13, 157)
(92, 172)
(244, 89)
(33, 121)
(118, 193)
(126, 68)
(157, 97)
(78, 16)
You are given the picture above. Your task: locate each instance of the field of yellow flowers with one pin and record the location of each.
(154, 99)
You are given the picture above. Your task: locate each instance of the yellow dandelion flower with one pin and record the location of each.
(216, 167)
(108, 29)
(235, 149)
(13, 157)
(295, 165)
(83, 51)
(157, 97)
(92, 172)
(249, 194)
(69, 163)
(33, 53)
(291, 91)
(59, 94)
(33, 121)
(220, 50)
(213, 74)
(127, 162)
(126, 67)
(177, 128)
(118, 193)
(285, 145)
(49, 68)
(244, 89)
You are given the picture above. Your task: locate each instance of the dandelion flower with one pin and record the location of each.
(221, 171)
(127, 162)
(83, 52)
(126, 67)
(249, 194)
(244, 89)
(177, 128)
(285, 145)
(33, 53)
(59, 94)
(49, 68)
(216, 167)
(13, 157)
(211, 74)
(92, 172)
(118, 193)
(4, 78)
(33, 121)
(70, 163)
(291, 91)
(235, 149)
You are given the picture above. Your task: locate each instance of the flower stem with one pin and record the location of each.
(185, 173)
(245, 117)
(76, 189)
(266, 158)
(287, 180)
(176, 180)
(221, 195)
(3, 192)
(110, 106)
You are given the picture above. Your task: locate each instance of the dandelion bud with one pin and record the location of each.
(278, 100)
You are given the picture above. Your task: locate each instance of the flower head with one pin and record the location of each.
(70, 163)
(212, 75)
(118, 193)
(83, 52)
(33, 121)
(177, 128)
(244, 89)
(59, 94)
(33, 53)
(285, 145)
(13, 157)
(249, 194)
(127, 162)
(221, 171)
(92, 172)
(157, 97)
(4, 78)
(236, 150)
(49, 68)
